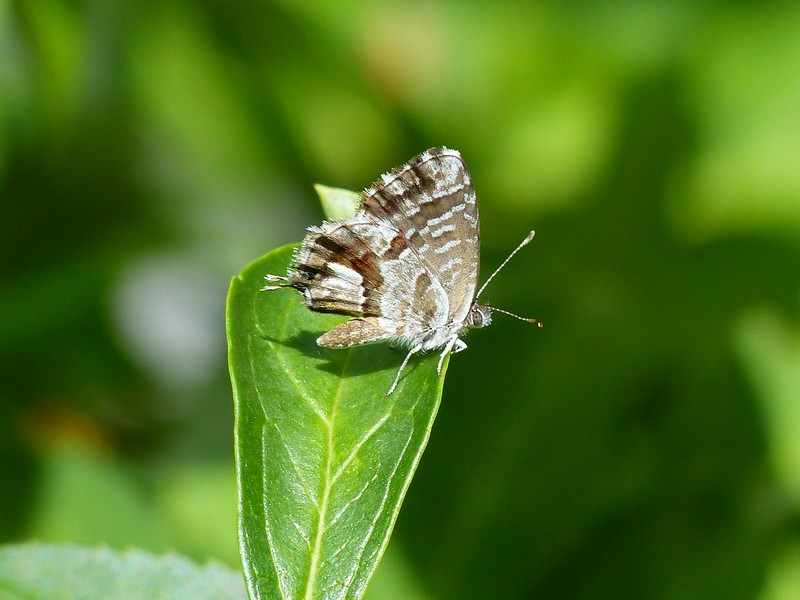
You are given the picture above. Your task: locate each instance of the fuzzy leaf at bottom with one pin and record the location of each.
(43, 571)
(324, 457)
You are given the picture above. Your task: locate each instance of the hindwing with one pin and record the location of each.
(354, 268)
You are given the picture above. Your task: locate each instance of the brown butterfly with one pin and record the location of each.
(406, 265)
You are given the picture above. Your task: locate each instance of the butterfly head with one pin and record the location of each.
(479, 315)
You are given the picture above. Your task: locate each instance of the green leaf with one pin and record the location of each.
(337, 203)
(324, 457)
(44, 571)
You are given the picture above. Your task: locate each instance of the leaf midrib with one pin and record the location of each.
(328, 483)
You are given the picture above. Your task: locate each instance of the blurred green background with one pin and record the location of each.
(644, 444)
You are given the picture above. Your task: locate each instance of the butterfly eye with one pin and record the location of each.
(479, 316)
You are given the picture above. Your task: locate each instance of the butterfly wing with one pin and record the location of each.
(406, 265)
(356, 268)
(432, 201)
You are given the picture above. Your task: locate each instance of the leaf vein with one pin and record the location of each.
(303, 483)
(328, 484)
(357, 563)
(280, 572)
(360, 444)
(354, 499)
(295, 382)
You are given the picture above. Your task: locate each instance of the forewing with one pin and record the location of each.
(431, 200)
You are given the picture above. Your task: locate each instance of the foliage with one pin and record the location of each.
(44, 571)
(324, 457)
(641, 445)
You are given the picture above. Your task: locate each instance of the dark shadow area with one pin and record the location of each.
(622, 441)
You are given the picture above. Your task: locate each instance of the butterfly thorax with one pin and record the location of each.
(477, 317)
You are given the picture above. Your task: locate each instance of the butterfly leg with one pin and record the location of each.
(459, 345)
(413, 350)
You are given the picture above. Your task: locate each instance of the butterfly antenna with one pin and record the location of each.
(536, 322)
(524, 243)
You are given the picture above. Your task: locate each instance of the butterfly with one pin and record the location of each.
(405, 266)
